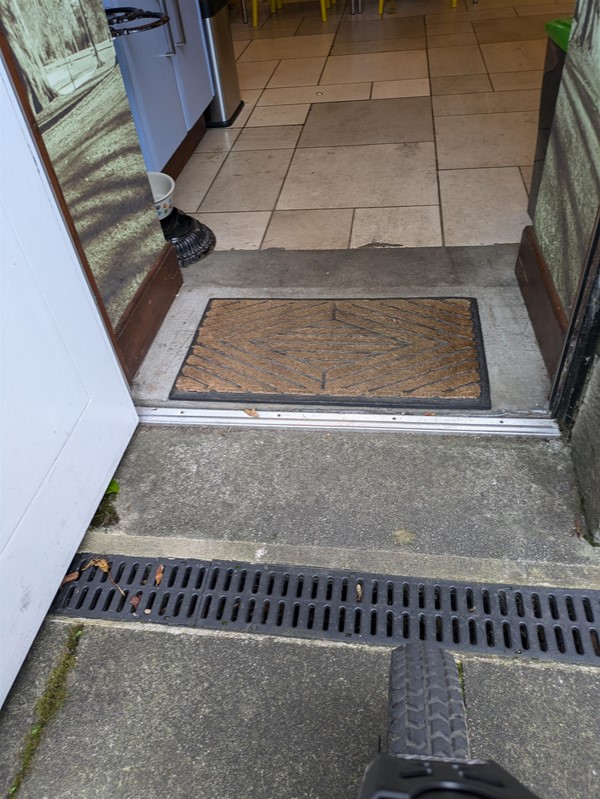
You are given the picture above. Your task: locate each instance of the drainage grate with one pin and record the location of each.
(545, 623)
(136, 589)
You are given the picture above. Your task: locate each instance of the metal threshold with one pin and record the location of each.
(488, 425)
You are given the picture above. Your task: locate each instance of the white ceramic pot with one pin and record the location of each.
(162, 187)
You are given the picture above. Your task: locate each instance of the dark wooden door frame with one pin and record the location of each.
(581, 340)
(132, 336)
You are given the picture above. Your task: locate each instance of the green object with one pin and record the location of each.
(559, 31)
(113, 488)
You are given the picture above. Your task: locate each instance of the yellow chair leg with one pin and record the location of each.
(273, 6)
(255, 13)
(380, 12)
(323, 11)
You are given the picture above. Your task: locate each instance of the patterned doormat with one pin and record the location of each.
(414, 352)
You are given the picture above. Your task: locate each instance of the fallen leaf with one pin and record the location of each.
(359, 592)
(251, 412)
(70, 577)
(429, 413)
(100, 563)
(135, 601)
(104, 566)
(160, 570)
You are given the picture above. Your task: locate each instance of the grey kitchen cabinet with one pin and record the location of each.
(167, 77)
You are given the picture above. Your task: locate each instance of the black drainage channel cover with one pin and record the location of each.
(327, 604)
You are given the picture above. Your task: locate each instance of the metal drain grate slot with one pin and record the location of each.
(543, 623)
(139, 589)
(549, 624)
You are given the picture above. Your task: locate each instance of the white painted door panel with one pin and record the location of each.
(66, 414)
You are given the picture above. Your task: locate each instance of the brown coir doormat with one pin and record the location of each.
(419, 352)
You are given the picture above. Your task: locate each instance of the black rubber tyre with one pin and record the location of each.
(426, 707)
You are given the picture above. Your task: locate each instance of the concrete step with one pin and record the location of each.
(500, 510)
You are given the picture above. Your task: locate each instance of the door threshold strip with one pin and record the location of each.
(375, 422)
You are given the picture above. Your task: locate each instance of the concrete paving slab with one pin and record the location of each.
(540, 721)
(152, 714)
(507, 499)
(18, 711)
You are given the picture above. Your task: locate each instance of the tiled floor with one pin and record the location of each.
(415, 129)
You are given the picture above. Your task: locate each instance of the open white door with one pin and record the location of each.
(66, 414)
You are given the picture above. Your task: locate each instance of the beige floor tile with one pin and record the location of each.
(445, 61)
(555, 9)
(297, 72)
(469, 16)
(448, 28)
(397, 227)
(273, 115)
(513, 81)
(486, 140)
(514, 56)
(288, 47)
(510, 30)
(461, 84)
(483, 206)
(239, 47)
(486, 102)
(314, 27)
(316, 94)
(375, 67)
(242, 117)
(379, 175)
(451, 40)
(527, 175)
(289, 29)
(495, 4)
(250, 96)
(237, 231)
(370, 31)
(387, 121)
(283, 137)
(309, 230)
(195, 179)
(256, 74)
(396, 9)
(248, 181)
(217, 140)
(400, 88)
(380, 46)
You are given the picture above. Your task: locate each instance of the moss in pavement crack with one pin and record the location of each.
(48, 705)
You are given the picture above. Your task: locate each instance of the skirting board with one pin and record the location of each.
(145, 313)
(543, 304)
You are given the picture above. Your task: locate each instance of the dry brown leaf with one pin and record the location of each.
(429, 413)
(101, 563)
(135, 601)
(70, 577)
(160, 570)
(251, 412)
(359, 592)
